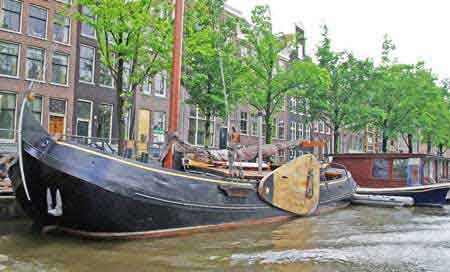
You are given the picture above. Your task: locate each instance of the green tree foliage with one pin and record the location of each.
(403, 98)
(271, 78)
(134, 39)
(340, 106)
(209, 34)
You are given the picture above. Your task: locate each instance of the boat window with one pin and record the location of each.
(400, 169)
(380, 168)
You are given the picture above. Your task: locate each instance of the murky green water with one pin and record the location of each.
(354, 239)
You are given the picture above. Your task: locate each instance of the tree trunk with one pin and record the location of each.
(384, 143)
(385, 137)
(132, 117)
(441, 149)
(336, 136)
(410, 143)
(429, 145)
(207, 128)
(119, 106)
(269, 125)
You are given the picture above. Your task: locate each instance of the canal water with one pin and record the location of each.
(354, 239)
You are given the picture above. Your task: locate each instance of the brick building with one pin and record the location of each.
(47, 52)
(37, 53)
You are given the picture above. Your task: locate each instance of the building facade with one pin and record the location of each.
(44, 51)
(37, 54)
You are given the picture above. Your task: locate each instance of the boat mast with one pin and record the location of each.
(175, 85)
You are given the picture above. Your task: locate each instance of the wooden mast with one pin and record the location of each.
(175, 85)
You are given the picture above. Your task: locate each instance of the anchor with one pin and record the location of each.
(54, 209)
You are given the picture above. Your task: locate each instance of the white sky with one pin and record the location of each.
(418, 28)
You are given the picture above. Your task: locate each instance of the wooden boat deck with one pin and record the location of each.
(223, 170)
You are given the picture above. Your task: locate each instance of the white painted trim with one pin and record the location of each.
(46, 23)
(93, 66)
(57, 114)
(84, 120)
(44, 65)
(70, 30)
(19, 55)
(20, 21)
(19, 141)
(68, 70)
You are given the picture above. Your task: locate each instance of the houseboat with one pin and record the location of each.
(423, 177)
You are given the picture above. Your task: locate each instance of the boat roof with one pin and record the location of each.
(387, 156)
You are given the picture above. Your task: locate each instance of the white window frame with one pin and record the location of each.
(112, 86)
(278, 128)
(20, 21)
(197, 118)
(42, 107)
(300, 128)
(19, 56)
(57, 114)
(68, 70)
(152, 114)
(44, 65)
(293, 130)
(70, 31)
(46, 23)
(84, 120)
(322, 127)
(246, 122)
(251, 124)
(16, 114)
(164, 83)
(293, 102)
(308, 132)
(149, 83)
(93, 66)
(111, 119)
(81, 29)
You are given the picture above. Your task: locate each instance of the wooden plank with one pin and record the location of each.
(293, 187)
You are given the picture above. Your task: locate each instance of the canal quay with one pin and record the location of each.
(358, 238)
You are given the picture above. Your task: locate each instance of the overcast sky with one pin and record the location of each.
(419, 28)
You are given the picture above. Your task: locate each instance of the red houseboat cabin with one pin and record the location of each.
(390, 170)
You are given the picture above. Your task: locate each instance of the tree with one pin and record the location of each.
(434, 123)
(269, 79)
(210, 35)
(134, 39)
(342, 104)
(400, 95)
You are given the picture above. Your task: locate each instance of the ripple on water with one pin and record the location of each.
(374, 258)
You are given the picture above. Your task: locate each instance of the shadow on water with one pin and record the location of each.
(355, 239)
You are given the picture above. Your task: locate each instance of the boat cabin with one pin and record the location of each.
(395, 169)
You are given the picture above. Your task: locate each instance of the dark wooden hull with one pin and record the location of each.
(102, 193)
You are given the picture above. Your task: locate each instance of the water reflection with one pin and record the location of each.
(354, 239)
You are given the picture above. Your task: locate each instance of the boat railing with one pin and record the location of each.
(143, 151)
